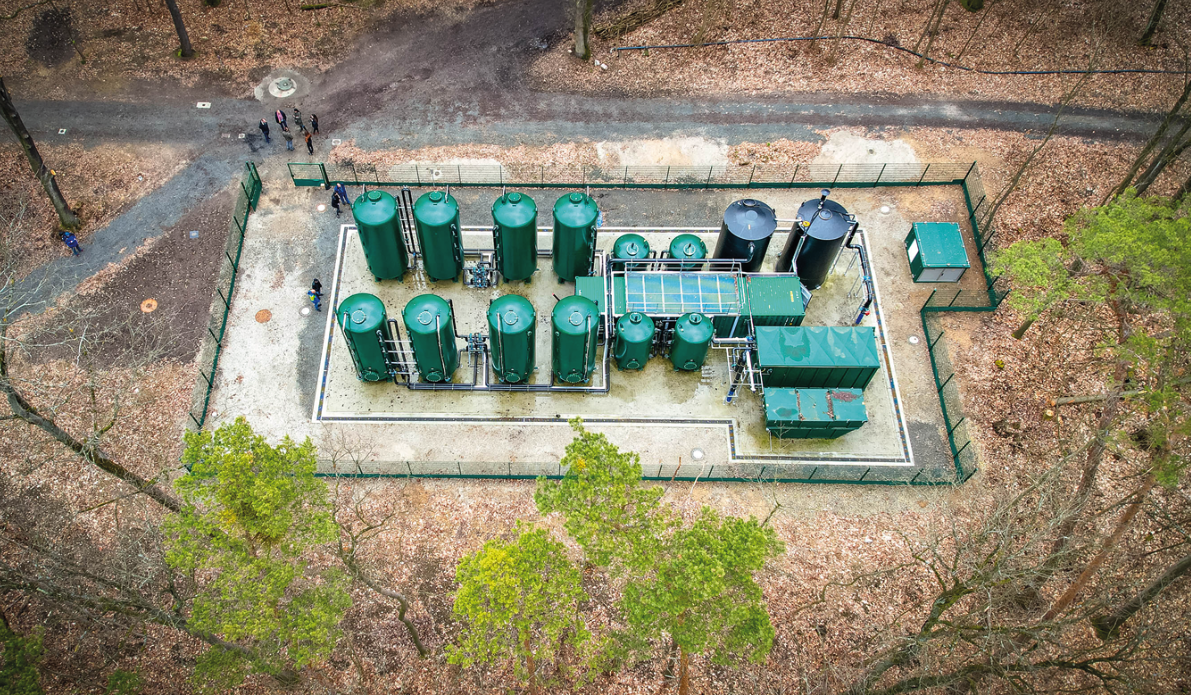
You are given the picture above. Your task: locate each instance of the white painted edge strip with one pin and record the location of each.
(325, 353)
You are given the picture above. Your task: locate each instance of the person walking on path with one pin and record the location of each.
(314, 123)
(280, 116)
(315, 295)
(335, 202)
(298, 120)
(289, 138)
(342, 191)
(264, 126)
(309, 142)
(72, 243)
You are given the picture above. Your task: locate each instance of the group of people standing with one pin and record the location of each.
(283, 122)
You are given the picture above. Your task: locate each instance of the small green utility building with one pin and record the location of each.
(936, 252)
(813, 413)
(816, 356)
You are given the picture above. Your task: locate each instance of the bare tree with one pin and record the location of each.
(1147, 36)
(186, 50)
(67, 218)
(583, 29)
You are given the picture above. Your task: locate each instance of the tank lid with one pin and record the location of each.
(425, 317)
(634, 317)
(576, 318)
(575, 198)
(688, 249)
(750, 219)
(511, 317)
(435, 196)
(632, 249)
(374, 196)
(696, 318)
(359, 316)
(513, 197)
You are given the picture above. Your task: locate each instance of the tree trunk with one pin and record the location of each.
(684, 672)
(975, 31)
(932, 32)
(582, 29)
(1147, 36)
(668, 669)
(531, 668)
(402, 602)
(822, 21)
(839, 5)
(1149, 146)
(1171, 152)
(1106, 626)
(186, 51)
(1182, 192)
(1025, 326)
(66, 217)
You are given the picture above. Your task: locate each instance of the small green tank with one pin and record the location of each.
(688, 247)
(511, 338)
(436, 217)
(630, 246)
(515, 236)
(575, 320)
(380, 235)
(431, 329)
(634, 339)
(692, 338)
(365, 325)
(575, 218)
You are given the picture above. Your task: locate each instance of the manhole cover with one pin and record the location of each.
(282, 87)
(149, 305)
(885, 210)
(263, 316)
(306, 311)
(913, 340)
(697, 454)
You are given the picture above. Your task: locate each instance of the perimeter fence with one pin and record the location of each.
(966, 176)
(225, 285)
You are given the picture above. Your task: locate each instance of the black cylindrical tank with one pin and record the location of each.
(820, 230)
(748, 226)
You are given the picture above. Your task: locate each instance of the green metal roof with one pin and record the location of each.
(591, 287)
(816, 346)
(941, 245)
(814, 406)
(773, 295)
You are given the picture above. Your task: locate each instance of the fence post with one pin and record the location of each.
(923, 177)
(417, 174)
(219, 292)
(326, 181)
(952, 302)
(957, 424)
(751, 175)
(247, 195)
(970, 170)
(710, 171)
(459, 173)
(667, 181)
(937, 339)
(837, 173)
(916, 476)
(626, 177)
(946, 381)
(880, 174)
(795, 176)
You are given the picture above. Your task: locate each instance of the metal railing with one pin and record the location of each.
(679, 177)
(221, 304)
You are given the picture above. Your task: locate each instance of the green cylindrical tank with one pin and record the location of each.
(431, 329)
(436, 217)
(631, 246)
(576, 320)
(515, 236)
(575, 219)
(688, 247)
(380, 235)
(365, 325)
(511, 338)
(692, 338)
(634, 338)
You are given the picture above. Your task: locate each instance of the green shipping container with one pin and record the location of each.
(575, 321)
(515, 236)
(813, 413)
(936, 252)
(690, 342)
(436, 217)
(634, 341)
(575, 219)
(431, 328)
(630, 246)
(511, 338)
(380, 235)
(817, 356)
(365, 327)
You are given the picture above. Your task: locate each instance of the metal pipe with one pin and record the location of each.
(866, 273)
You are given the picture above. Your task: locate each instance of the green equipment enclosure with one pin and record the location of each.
(436, 217)
(817, 356)
(936, 252)
(511, 338)
(575, 321)
(813, 413)
(630, 247)
(690, 342)
(515, 236)
(592, 287)
(688, 247)
(575, 219)
(431, 327)
(773, 300)
(380, 235)
(365, 327)
(634, 341)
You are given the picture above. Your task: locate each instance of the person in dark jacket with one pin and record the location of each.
(264, 126)
(317, 286)
(314, 123)
(335, 202)
(342, 191)
(72, 243)
(309, 142)
(289, 138)
(298, 120)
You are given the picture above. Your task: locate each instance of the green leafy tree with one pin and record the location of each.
(250, 511)
(19, 657)
(517, 600)
(122, 682)
(700, 591)
(605, 508)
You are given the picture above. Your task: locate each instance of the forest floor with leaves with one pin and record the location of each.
(1013, 35)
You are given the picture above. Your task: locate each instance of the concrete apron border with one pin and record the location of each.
(319, 415)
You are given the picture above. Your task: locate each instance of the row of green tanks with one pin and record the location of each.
(690, 339)
(430, 324)
(514, 235)
(634, 250)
